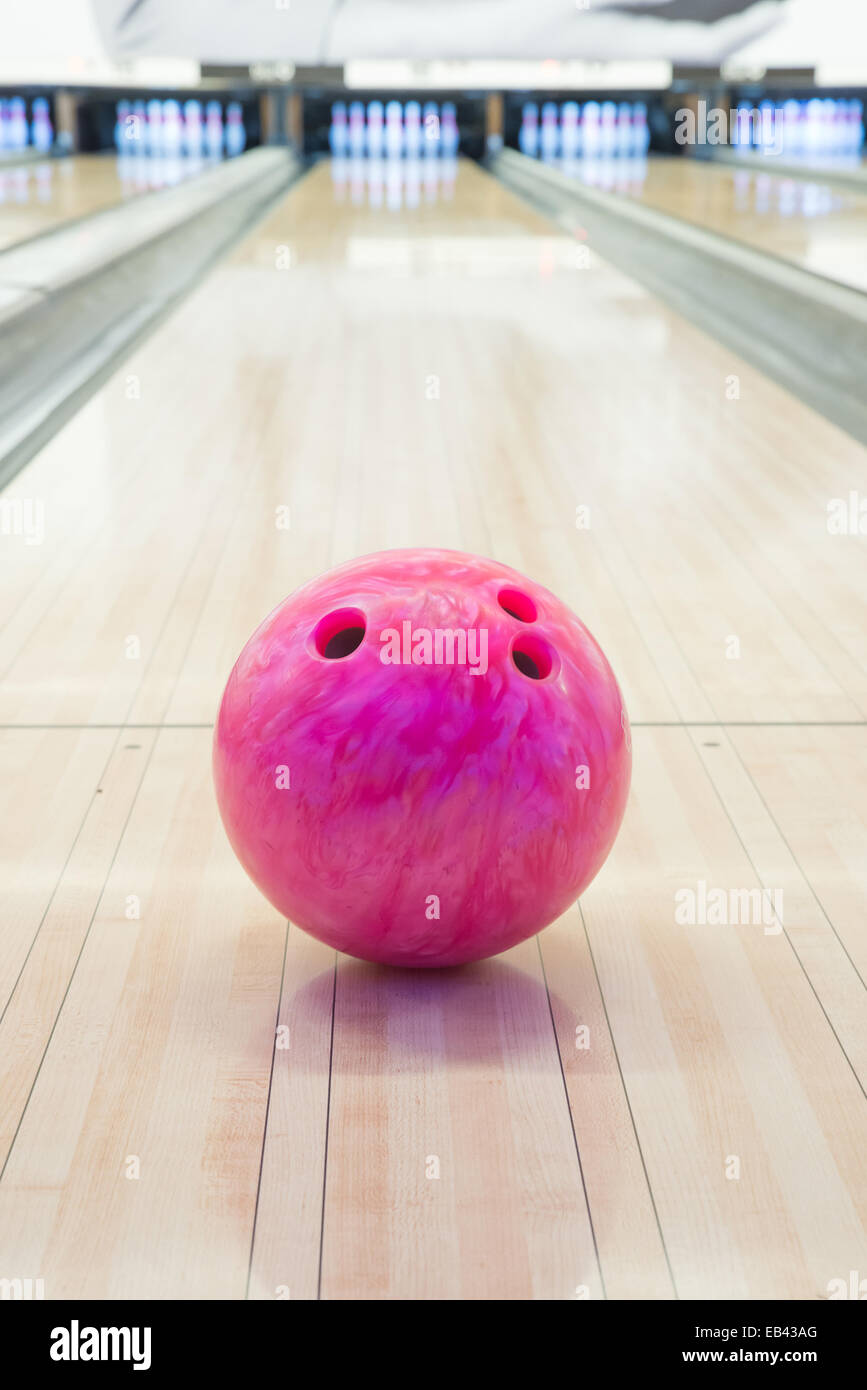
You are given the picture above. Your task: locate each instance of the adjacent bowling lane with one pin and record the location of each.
(36, 197)
(385, 363)
(809, 221)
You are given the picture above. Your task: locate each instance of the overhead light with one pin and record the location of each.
(853, 74)
(83, 71)
(272, 72)
(742, 72)
(508, 74)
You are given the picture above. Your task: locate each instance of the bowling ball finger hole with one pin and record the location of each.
(517, 605)
(339, 634)
(533, 657)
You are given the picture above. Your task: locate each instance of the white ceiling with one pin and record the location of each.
(332, 31)
(87, 39)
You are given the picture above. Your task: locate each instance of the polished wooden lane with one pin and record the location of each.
(37, 197)
(809, 221)
(200, 1102)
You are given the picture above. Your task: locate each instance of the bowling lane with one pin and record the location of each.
(808, 221)
(389, 360)
(37, 197)
(467, 415)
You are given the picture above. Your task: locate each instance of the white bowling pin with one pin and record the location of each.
(570, 130)
(236, 135)
(768, 116)
(608, 129)
(18, 124)
(121, 127)
(137, 129)
(375, 140)
(42, 133)
(356, 129)
(412, 133)
(856, 126)
(193, 133)
(338, 135)
(394, 130)
(528, 135)
(431, 124)
(640, 130)
(214, 129)
(154, 135)
(624, 145)
(172, 129)
(828, 126)
(813, 130)
(449, 133)
(549, 132)
(790, 127)
(590, 125)
(744, 125)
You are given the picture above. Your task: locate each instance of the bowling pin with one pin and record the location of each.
(591, 129)
(624, 145)
(154, 133)
(449, 133)
(412, 133)
(549, 136)
(431, 123)
(375, 141)
(848, 132)
(121, 132)
(802, 128)
(356, 129)
(608, 129)
(214, 130)
(838, 128)
(856, 126)
(172, 129)
(42, 133)
(640, 130)
(768, 116)
(193, 133)
(570, 130)
(236, 135)
(17, 124)
(743, 126)
(338, 134)
(394, 130)
(528, 136)
(813, 131)
(829, 127)
(137, 129)
(790, 127)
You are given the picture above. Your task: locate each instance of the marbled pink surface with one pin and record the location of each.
(414, 788)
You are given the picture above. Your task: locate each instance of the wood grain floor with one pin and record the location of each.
(815, 224)
(199, 1101)
(37, 197)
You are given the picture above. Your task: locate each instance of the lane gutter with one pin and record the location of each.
(805, 331)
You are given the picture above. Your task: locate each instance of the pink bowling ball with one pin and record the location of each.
(422, 757)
